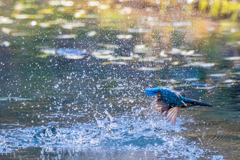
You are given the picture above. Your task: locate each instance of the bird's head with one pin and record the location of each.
(154, 91)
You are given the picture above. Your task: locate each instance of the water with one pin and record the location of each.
(72, 83)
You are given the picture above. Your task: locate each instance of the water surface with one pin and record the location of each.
(72, 84)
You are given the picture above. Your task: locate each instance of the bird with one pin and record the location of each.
(170, 101)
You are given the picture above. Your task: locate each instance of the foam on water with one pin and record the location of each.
(142, 131)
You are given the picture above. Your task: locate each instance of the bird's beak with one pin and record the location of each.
(204, 104)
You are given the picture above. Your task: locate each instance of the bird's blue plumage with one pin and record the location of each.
(173, 98)
(153, 91)
(168, 96)
(169, 102)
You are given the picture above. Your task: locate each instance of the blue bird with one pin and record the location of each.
(169, 102)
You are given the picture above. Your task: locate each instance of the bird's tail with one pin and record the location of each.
(204, 104)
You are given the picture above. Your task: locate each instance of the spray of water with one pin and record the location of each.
(142, 131)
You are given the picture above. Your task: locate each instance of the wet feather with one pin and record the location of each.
(161, 106)
(172, 115)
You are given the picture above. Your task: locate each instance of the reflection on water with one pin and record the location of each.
(73, 75)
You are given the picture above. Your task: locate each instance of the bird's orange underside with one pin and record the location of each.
(188, 104)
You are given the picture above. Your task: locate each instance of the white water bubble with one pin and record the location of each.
(33, 23)
(56, 86)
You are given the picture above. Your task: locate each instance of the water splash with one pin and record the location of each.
(142, 131)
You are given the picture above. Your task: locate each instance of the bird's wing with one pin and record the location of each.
(172, 115)
(179, 93)
(161, 106)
